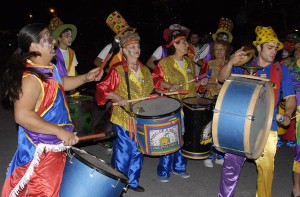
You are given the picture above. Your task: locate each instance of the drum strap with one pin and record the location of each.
(131, 119)
(276, 77)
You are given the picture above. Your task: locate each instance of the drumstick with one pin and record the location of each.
(104, 63)
(115, 44)
(152, 96)
(88, 137)
(177, 92)
(197, 78)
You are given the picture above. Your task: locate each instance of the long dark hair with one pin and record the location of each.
(11, 79)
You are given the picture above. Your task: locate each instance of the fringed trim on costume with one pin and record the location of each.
(34, 163)
(132, 128)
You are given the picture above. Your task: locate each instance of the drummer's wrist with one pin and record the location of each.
(287, 115)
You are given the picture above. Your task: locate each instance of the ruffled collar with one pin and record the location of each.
(31, 64)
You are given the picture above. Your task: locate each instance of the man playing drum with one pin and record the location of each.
(267, 45)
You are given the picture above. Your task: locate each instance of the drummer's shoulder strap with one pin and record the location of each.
(276, 78)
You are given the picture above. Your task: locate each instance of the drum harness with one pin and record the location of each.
(275, 78)
(131, 119)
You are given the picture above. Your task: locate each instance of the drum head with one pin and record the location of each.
(197, 102)
(98, 164)
(156, 108)
(79, 98)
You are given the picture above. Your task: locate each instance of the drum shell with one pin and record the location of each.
(81, 112)
(243, 116)
(159, 127)
(198, 113)
(87, 175)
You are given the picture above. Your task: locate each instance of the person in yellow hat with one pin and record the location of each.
(119, 25)
(223, 33)
(267, 45)
(127, 79)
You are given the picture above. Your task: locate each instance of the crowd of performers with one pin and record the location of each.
(37, 89)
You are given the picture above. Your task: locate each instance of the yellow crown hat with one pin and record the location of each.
(118, 24)
(266, 34)
(225, 26)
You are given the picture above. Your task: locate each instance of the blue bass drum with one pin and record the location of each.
(243, 116)
(87, 175)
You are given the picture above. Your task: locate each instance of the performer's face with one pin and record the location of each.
(297, 51)
(133, 50)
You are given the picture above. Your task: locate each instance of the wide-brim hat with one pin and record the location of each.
(225, 26)
(266, 34)
(118, 24)
(221, 30)
(57, 27)
(174, 27)
(293, 37)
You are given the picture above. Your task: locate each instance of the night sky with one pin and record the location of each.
(150, 17)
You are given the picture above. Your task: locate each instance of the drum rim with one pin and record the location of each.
(161, 115)
(88, 98)
(89, 164)
(198, 105)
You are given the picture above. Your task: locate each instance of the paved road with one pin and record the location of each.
(203, 181)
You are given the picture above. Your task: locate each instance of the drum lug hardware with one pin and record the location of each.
(140, 110)
(114, 186)
(70, 155)
(250, 117)
(216, 110)
(92, 174)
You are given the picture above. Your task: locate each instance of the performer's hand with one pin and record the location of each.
(238, 56)
(122, 102)
(67, 137)
(93, 75)
(286, 120)
(204, 81)
(174, 87)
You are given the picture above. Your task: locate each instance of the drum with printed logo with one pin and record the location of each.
(158, 126)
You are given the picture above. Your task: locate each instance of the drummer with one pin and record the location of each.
(220, 51)
(170, 72)
(267, 45)
(129, 74)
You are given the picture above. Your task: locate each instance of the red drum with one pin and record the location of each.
(198, 113)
